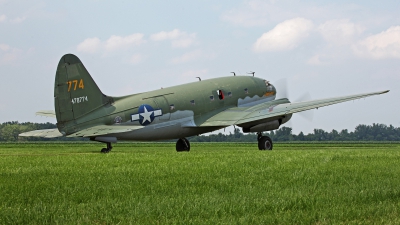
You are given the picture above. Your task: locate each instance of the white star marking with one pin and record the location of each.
(146, 115)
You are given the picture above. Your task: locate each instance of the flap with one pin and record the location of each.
(104, 130)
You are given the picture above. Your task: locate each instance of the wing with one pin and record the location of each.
(47, 133)
(104, 130)
(89, 132)
(46, 113)
(274, 109)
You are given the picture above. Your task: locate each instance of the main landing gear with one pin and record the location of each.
(108, 149)
(182, 145)
(264, 142)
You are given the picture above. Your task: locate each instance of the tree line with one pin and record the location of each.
(9, 132)
(374, 132)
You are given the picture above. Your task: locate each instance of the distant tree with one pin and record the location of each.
(9, 132)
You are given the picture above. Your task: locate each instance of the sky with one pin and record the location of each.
(318, 48)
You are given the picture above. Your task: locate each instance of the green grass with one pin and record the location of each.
(215, 183)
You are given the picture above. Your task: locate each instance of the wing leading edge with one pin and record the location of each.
(243, 115)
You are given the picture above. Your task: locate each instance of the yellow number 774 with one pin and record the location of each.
(75, 82)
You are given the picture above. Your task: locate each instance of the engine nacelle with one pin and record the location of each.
(271, 125)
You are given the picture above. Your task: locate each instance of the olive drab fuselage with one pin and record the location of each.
(175, 107)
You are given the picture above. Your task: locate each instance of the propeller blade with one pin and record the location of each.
(309, 114)
(305, 97)
(281, 88)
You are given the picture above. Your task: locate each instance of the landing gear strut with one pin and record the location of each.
(182, 145)
(264, 142)
(108, 149)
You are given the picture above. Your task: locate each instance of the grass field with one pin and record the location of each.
(215, 183)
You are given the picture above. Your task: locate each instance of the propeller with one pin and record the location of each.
(308, 114)
(281, 88)
(282, 91)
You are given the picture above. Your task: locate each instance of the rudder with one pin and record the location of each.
(75, 92)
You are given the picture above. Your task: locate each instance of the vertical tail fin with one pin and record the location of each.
(75, 92)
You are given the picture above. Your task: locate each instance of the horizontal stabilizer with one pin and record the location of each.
(46, 113)
(47, 133)
(104, 130)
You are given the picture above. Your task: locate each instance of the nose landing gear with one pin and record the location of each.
(108, 149)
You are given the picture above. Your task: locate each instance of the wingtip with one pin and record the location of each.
(384, 92)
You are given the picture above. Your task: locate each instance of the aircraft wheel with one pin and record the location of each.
(265, 143)
(182, 145)
(108, 149)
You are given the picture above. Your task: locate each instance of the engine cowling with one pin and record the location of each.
(271, 125)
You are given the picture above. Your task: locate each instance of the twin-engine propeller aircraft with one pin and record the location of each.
(82, 110)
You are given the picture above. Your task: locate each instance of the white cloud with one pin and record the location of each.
(93, 45)
(9, 54)
(4, 47)
(136, 58)
(118, 42)
(187, 57)
(317, 60)
(18, 19)
(179, 39)
(89, 45)
(3, 18)
(163, 35)
(339, 32)
(380, 46)
(284, 36)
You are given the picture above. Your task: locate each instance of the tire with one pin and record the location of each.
(182, 145)
(265, 143)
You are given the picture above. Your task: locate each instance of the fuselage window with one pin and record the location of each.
(212, 97)
(229, 94)
(172, 107)
(246, 91)
(220, 94)
(192, 102)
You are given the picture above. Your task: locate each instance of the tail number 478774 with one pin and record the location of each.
(80, 99)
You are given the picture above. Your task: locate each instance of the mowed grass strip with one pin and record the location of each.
(214, 183)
